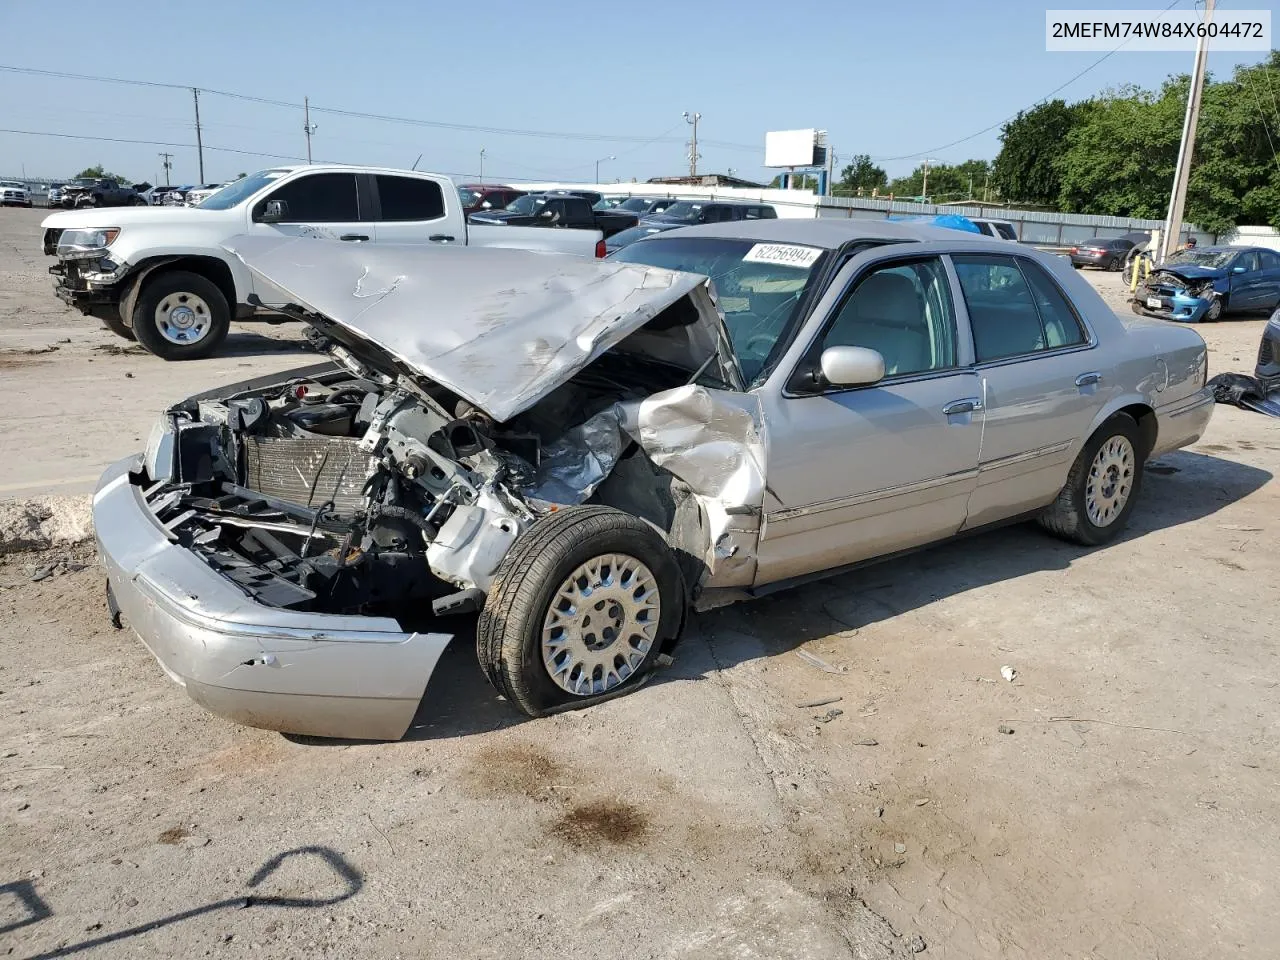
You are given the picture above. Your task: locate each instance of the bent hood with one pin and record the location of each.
(144, 216)
(1191, 272)
(500, 328)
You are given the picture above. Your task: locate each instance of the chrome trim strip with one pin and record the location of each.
(1200, 398)
(870, 496)
(996, 464)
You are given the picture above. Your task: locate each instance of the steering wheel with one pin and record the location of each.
(759, 345)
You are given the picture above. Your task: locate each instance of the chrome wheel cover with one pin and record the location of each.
(601, 623)
(183, 318)
(1110, 481)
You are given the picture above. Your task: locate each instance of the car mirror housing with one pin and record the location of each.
(1239, 269)
(851, 366)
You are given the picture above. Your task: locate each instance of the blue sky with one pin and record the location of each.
(890, 79)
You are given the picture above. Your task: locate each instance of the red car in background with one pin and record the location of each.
(481, 196)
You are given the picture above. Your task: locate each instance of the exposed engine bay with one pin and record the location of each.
(349, 490)
(1168, 283)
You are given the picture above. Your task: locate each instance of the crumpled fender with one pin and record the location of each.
(130, 298)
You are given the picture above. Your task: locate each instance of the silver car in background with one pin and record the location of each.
(584, 452)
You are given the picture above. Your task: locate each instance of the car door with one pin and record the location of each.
(1270, 265)
(327, 205)
(1250, 289)
(411, 210)
(1042, 382)
(855, 473)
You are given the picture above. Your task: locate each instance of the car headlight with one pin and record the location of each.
(86, 244)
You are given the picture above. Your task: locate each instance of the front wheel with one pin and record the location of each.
(579, 610)
(1214, 313)
(1101, 488)
(181, 316)
(111, 320)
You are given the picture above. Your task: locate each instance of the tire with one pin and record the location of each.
(117, 326)
(1069, 516)
(166, 295)
(1214, 313)
(540, 564)
(137, 202)
(1115, 265)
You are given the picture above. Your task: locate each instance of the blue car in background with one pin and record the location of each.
(1206, 283)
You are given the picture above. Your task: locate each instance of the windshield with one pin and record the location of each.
(526, 204)
(12, 183)
(469, 198)
(82, 182)
(608, 203)
(683, 210)
(1202, 258)
(758, 286)
(634, 204)
(239, 191)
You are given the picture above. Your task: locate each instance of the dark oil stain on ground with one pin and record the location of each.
(173, 835)
(602, 822)
(516, 769)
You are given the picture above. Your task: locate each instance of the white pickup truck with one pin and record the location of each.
(161, 275)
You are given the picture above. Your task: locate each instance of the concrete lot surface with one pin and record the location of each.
(1128, 811)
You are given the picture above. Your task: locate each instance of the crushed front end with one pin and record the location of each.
(1170, 296)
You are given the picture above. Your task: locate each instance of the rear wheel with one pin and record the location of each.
(1101, 488)
(579, 610)
(181, 316)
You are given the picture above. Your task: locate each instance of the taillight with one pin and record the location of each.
(601, 250)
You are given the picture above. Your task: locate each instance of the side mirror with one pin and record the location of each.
(1239, 269)
(547, 215)
(274, 212)
(851, 366)
(486, 205)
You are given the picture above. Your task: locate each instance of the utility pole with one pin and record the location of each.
(482, 166)
(1182, 173)
(693, 145)
(199, 144)
(307, 126)
(600, 161)
(924, 186)
(168, 165)
(831, 172)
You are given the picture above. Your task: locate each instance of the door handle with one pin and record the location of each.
(967, 405)
(440, 238)
(354, 236)
(1088, 379)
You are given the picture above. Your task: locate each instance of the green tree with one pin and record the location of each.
(1027, 168)
(99, 173)
(945, 182)
(861, 174)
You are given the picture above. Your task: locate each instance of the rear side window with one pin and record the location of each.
(1005, 231)
(410, 198)
(319, 198)
(1268, 260)
(984, 227)
(1011, 313)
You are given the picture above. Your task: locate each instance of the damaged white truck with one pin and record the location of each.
(162, 276)
(583, 452)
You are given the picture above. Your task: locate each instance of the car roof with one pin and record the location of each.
(705, 201)
(832, 233)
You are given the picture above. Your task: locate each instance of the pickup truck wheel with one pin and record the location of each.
(579, 610)
(181, 316)
(1102, 486)
(117, 326)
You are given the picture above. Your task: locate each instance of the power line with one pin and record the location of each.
(148, 143)
(362, 115)
(1000, 123)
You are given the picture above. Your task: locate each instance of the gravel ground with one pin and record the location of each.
(1128, 812)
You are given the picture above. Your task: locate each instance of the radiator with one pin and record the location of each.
(308, 471)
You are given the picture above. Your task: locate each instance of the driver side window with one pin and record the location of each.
(904, 312)
(319, 198)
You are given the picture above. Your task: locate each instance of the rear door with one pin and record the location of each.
(1043, 380)
(412, 210)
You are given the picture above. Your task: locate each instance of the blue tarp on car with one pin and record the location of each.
(952, 221)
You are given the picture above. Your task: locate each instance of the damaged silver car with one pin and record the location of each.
(583, 452)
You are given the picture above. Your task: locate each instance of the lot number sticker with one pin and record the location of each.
(783, 254)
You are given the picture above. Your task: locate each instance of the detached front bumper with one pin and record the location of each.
(319, 674)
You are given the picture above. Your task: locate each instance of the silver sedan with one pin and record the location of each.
(582, 452)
